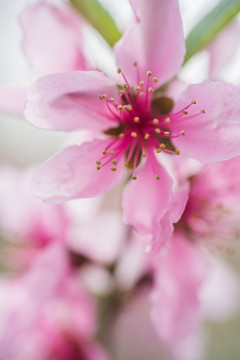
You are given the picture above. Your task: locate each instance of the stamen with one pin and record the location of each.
(182, 132)
(100, 96)
(114, 162)
(113, 168)
(121, 136)
(166, 133)
(157, 131)
(157, 177)
(119, 70)
(105, 152)
(98, 162)
(111, 153)
(98, 167)
(162, 146)
(144, 154)
(155, 79)
(142, 94)
(133, 134)
(120, 107)
(150, 90)
(158, 151)
(124, 86)
(146, 136)
(137, 88)
(134, 177)
(149, 73)
(141, 83)
(126, 164)
(155, 121)
(135, 63)
(193, 102)
(128, 107)
(185, 112)
(177, 152)
(203, 111)
(105, 96)
(112, 100)
(136, 119)
(167, 120)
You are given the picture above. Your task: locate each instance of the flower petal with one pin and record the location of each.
(215, 134)
(69, 101)
(73, 174)
(156, 42)
(52, 38)
(145, 200)
(178, 279)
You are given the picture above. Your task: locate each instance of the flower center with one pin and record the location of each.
(144, 124)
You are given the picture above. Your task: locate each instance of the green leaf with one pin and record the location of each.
(205, 31)
(99, 18)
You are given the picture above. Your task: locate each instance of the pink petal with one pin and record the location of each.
(69, 101)
(145, 200)
(178, 279)
(156, 42)
(73, 174)
(12, 100)
(223, 48)
(215, 134)
(52, 38)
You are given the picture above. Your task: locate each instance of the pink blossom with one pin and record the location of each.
(135, 123)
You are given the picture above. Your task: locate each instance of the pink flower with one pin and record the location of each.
(135, 123)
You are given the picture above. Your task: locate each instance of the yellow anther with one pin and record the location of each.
(133, 134)
(155, 121)
(144, 154)
(98, 167)
(105, 96)
(121, 136)
(146, 136)
(128, 107)
(155, 79)
(182, 132)
(167, 120)
(185, 112)
(124, 86)
(149, 73)
(177, 152)
(135, 63)
(120, 107)
(112, 100)
(100, 96)
(119, 70)
(136, 119)
(157, 177)
(141, 83)
(166, 133)
(113, 168)
(114, 162)
(162, 146)
(137, 88)
(203, 111)
(122, 92)
(134, 177)
(104, 152)
(142, 94)
(98, 162)
(150, 90)
(111, 152)
(126, 164)
(193, 102)
(157, 131)
(158, 151)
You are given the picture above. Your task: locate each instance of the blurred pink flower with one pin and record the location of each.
(134, 122)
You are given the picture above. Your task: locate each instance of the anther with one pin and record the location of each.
(155, 121)
(111, 152)
(144, 154)
(150, 90)
(121, 136)
(120, 107)
(124, 86)
(185, 112)
(119, 70)
(134, 177)
(162, 146)
(157, 177)
(155, 79)
(128, 107)
(98, 167)
(126, 164)
(177, 152)
(141, 83)
(149, 73)
(133, 134)
(104, 152)
(122, 92)
(105, 96)
(137, 88)
(193, 102)
(114, 162)
(166, 133)
(182, 132)
(142, 94)
(157, 131)
(100, 96)
(158, 151)
(112, 100)
(98, 162)
(146, 136)
(167, 120)
(203, 111)
(113, 168)
(135, 63)
(136, 119)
